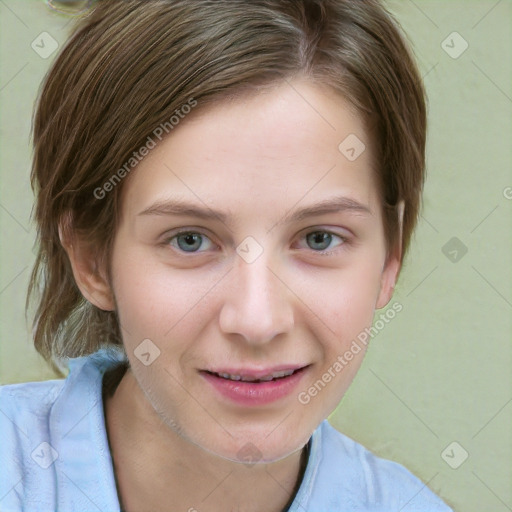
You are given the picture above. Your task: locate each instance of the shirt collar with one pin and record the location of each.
(84, 468)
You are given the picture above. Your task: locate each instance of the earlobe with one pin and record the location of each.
(90, 279)
(393, 264)
(388, 281)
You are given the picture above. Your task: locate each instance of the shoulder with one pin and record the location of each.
(353, 478)
(24, 428)
(34, 395)
(44, 427)
(25, 408)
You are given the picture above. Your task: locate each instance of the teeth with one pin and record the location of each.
(248, 379)
(266, 378)
(282, 373)
(229, 376)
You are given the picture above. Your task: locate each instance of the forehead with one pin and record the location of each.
(294, 142)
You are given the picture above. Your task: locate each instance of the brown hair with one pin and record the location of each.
(132, 65)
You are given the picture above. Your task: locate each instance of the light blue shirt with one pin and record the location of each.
(54, 455)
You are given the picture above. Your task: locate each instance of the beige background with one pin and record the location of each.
(440, 372)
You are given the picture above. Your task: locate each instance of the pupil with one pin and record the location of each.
(321, 238)
(191, 242)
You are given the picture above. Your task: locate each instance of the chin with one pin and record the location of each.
(255, 445)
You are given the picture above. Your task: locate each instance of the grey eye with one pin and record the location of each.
(189, 242)
(319, 240)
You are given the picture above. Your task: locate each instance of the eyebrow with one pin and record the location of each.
(337, 204)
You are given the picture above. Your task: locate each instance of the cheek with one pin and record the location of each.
(157, 302)
(344, 300)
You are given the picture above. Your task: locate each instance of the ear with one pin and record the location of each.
(392, 266)
(90, 276)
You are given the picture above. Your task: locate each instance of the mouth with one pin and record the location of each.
(248, 388)
(280, 374)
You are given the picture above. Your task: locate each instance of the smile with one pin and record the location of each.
(254, 388)
(249, 378)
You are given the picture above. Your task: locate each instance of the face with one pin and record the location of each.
(249, 256)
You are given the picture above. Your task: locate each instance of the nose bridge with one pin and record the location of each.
(257, 284)
(257, 304)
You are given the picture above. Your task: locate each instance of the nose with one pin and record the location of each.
(258, 304)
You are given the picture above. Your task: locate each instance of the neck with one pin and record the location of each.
(155, 466)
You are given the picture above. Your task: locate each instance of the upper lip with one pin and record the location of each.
(256, 373)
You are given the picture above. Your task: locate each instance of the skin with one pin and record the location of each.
(257, 160)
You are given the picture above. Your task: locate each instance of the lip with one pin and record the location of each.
(252, 394)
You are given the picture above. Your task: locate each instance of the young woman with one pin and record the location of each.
(225, 194)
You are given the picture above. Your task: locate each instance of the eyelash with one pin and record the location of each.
(325, 252)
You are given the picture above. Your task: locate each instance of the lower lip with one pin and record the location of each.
(255, 393)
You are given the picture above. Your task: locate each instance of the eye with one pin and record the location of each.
(320, 241)
(190, 241)
(195, 242)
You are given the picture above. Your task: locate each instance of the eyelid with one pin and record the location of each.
(334, 230)
(344, 233)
